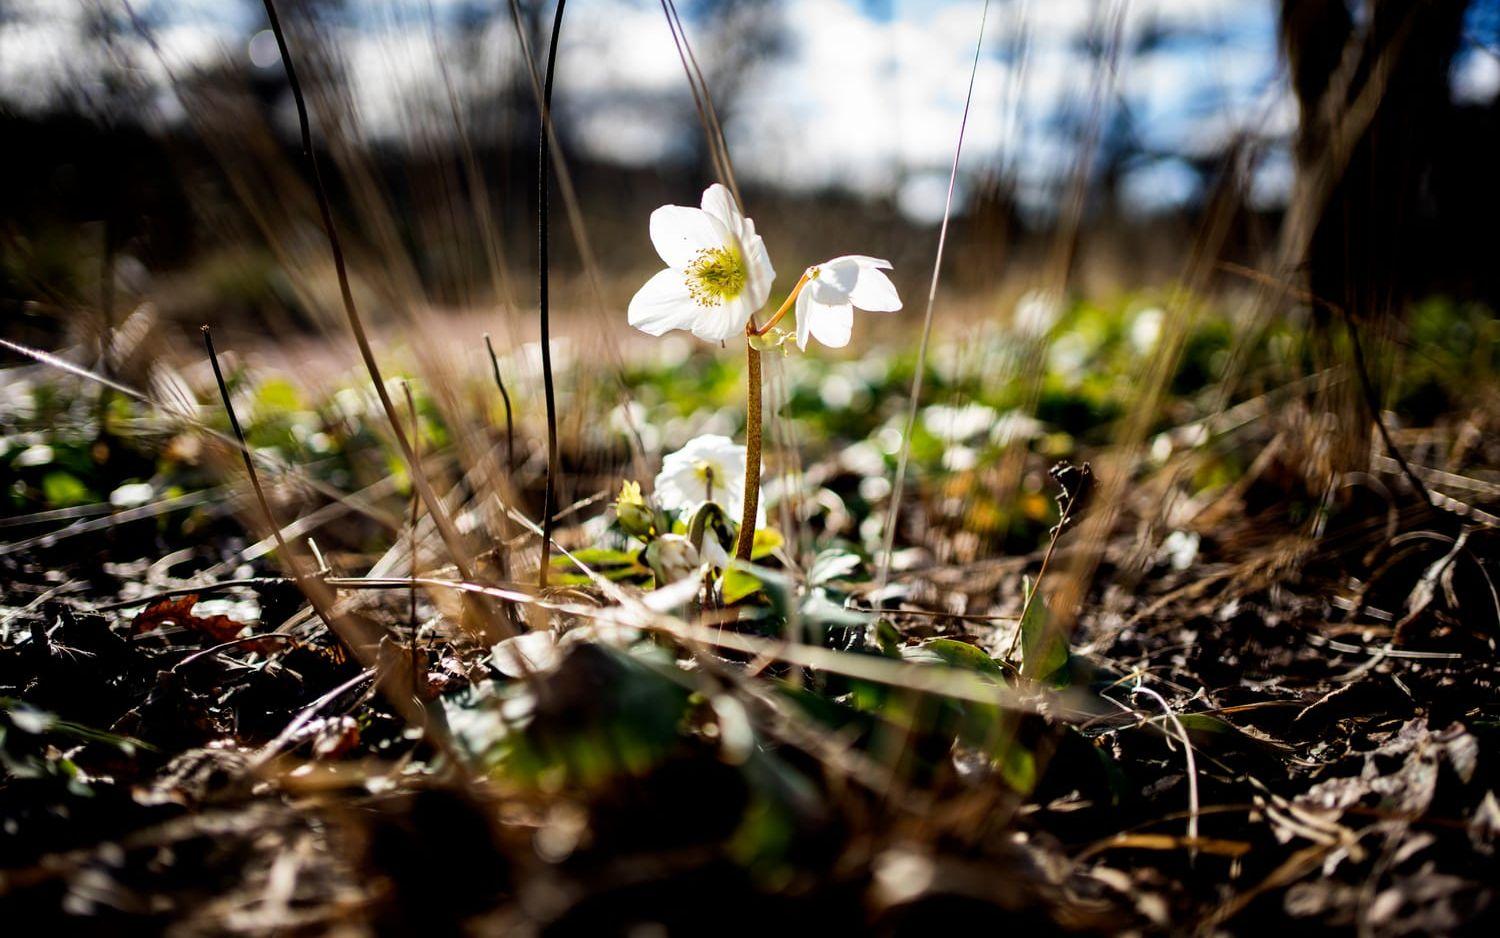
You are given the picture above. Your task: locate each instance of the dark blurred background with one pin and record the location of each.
(149, 149)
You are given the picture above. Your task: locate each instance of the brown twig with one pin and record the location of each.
(1036, 586)
(510, 432)
(416, 505)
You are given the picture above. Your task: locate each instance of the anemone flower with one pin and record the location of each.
(710, 468)
(834, 289)
(718, 272)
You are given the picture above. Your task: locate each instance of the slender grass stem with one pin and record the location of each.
(444, 524)
(239, 435)
(893, 513)
(549, 496)
(1036, 587)
(416, 507)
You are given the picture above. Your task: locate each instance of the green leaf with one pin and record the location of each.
(1017, 766)
(64, 490)
(739, 583)
(954, 654)
(599, 557)
(276, 397)
(833, 564)
(1044, 655)
(30, 720)
(767, 540)
(886, 638)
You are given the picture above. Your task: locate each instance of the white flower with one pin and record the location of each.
(825, 307)
(710, 468)
(1037, 312)
(1180, 549)
(1145, 329)
(958, 424)
(718, 272)
(132, 495)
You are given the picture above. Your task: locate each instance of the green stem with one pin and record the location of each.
(746, 540)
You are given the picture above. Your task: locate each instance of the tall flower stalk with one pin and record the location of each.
(745, 543)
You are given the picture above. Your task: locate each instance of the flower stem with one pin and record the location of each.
(786, 307)
(746, 540)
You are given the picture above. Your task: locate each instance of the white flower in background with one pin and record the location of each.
(718, 272)
(825, 307)
(958, 424)
(132, 495)
(1145, 329)
(1180, 549)
(1037, 311)
(1014, 425)
(710, 468)
(526, 653)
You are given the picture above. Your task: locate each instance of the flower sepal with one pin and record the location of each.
(771, 341)
(710, 532)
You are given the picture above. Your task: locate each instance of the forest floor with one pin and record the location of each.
(1252, 691)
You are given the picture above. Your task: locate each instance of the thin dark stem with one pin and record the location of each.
(239, 435)
(510, 433)
(287, 557)
(1372, 401)
(1036, 587)
(543, 154)
(232, 643)
(107, 326)
(444, 524)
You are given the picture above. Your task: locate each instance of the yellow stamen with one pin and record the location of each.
(715, 276)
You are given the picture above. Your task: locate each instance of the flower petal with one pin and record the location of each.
(804, 318)
(759, 272)
(679, 233)
(721, 321)
(832, 325)
(663, 304)
(839, 274)
(826, 290)
(829, 323)
(718, 202)
(875, 292)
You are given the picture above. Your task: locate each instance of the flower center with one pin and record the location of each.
(715, 275)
